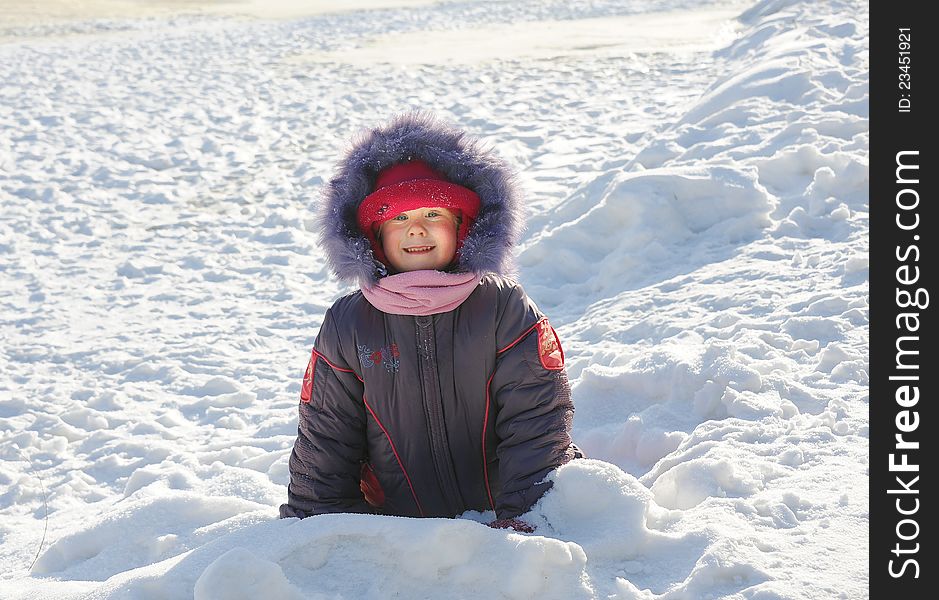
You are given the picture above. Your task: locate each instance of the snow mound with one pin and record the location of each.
(365, 556)
(602, 508)
(636, 227)
(240, 575)
(141, 531)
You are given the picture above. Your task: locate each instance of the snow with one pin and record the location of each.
(672, 31)
(697, 183)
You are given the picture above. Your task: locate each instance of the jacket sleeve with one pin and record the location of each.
(331, 445)
(533, 402)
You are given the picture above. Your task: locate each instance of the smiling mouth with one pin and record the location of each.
(418, 249)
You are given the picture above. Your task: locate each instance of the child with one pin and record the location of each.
(438, 387)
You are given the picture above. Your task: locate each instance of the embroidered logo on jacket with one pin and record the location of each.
(386, 356)
(549, 347)
(306, 391)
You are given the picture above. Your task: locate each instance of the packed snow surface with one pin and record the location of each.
(697, 233)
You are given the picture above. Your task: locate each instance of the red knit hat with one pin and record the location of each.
(409, 185)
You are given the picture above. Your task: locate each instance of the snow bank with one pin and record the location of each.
(638, 225)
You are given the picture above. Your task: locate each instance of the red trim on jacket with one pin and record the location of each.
(521, 337)
(398, 458)
(328, 362)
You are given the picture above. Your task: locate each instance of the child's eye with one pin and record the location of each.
(401, 217)
(433, 213)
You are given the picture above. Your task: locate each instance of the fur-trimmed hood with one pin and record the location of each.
(462, 159)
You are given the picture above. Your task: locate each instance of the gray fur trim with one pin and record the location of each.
(462, 159)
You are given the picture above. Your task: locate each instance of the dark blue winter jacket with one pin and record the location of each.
(429, 415)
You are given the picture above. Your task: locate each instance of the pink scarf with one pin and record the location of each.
(424, 292)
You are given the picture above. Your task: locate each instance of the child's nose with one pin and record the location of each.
(417, 227)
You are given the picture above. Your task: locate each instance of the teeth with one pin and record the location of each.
(417, 249)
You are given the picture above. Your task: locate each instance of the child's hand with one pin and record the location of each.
(520, 526)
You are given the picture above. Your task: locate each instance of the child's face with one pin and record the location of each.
(423, 238)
